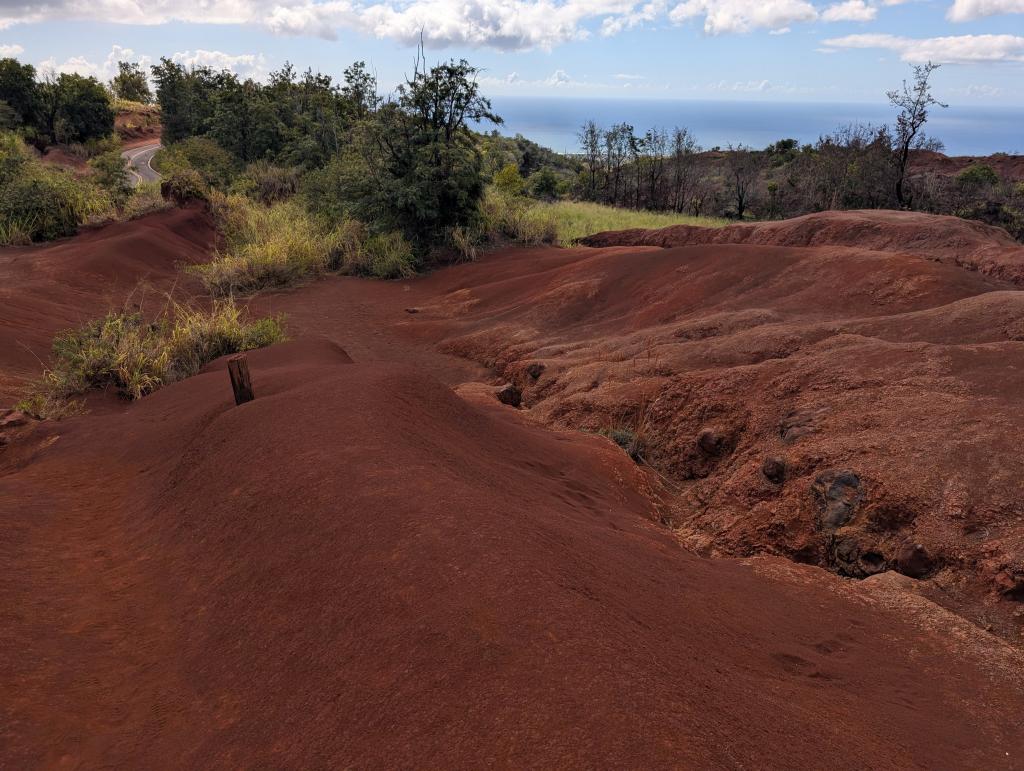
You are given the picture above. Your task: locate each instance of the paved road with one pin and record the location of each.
(138, 163)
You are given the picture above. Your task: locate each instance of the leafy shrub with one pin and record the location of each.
(544, 183)
(110, 171)
(976, 177)
(44, 204)
(135, 356)
(183, 185)
(268, 183)
(215, 165)
(509, 181)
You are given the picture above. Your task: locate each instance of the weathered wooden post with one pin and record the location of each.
(241, 383)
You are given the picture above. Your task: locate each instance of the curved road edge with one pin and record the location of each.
(140, 163)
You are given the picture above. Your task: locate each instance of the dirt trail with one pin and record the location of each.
(366, 567)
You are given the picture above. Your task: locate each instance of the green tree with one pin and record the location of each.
(19, 89)
(543, 183)
(509, 181)
(130, 83)
(360, 90)
(110, 171)
(75, 109)
(423, 163)
(186, 98)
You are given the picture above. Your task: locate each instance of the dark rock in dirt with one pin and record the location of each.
(851, 557)
(510, 395)
(838, 494)
(412, 310)
(914, 560)
(710, 442)
(1011, 584)
(774, 469)
(535, 370)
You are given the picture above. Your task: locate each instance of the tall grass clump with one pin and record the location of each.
(145, 199)
(264, 247)
(517, 218)
(272, 247)
(135, 356)
(576, 219)
(504, 216)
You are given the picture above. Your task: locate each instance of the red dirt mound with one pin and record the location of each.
(853, 408)
(47, 288)
(1008, 167)
(361, 569)
(969, 244)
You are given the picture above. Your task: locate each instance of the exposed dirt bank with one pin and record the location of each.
(376, 564)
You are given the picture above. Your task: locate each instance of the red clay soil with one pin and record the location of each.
(969, 244)
(852, 407)
(1007, 167)
(366, 567)
(47, 288)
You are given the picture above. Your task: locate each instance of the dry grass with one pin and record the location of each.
(268, 247)
(135, 355)
(529, 222)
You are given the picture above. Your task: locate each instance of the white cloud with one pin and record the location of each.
(500, 24)
(559, 78)
(968, 10)
(11, 50)
(246, 65)
(780, 31)
(851, 10)
(627, 76)
(647, 13)
(956, 49)
(103, 70)
(726, 16)
(739, 86)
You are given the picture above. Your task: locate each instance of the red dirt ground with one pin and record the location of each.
(44, 289)
(1008, 167)
(367, 567)
(788, 341)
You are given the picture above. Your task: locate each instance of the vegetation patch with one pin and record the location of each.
(530, 222)
(39, 202)
(136, 356)
(277, 246)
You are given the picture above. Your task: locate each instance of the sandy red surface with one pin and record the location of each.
(376, 564)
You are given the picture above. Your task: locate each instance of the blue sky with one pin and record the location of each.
(771, 50)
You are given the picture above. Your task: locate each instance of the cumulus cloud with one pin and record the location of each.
(559, 78)
(102, 70)
(955, 49)
(851, 10)
(11, 50)
(246, 65)
(968, 10)
(500, 24)
(728, 16)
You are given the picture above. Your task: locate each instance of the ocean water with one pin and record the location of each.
(554, 122)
